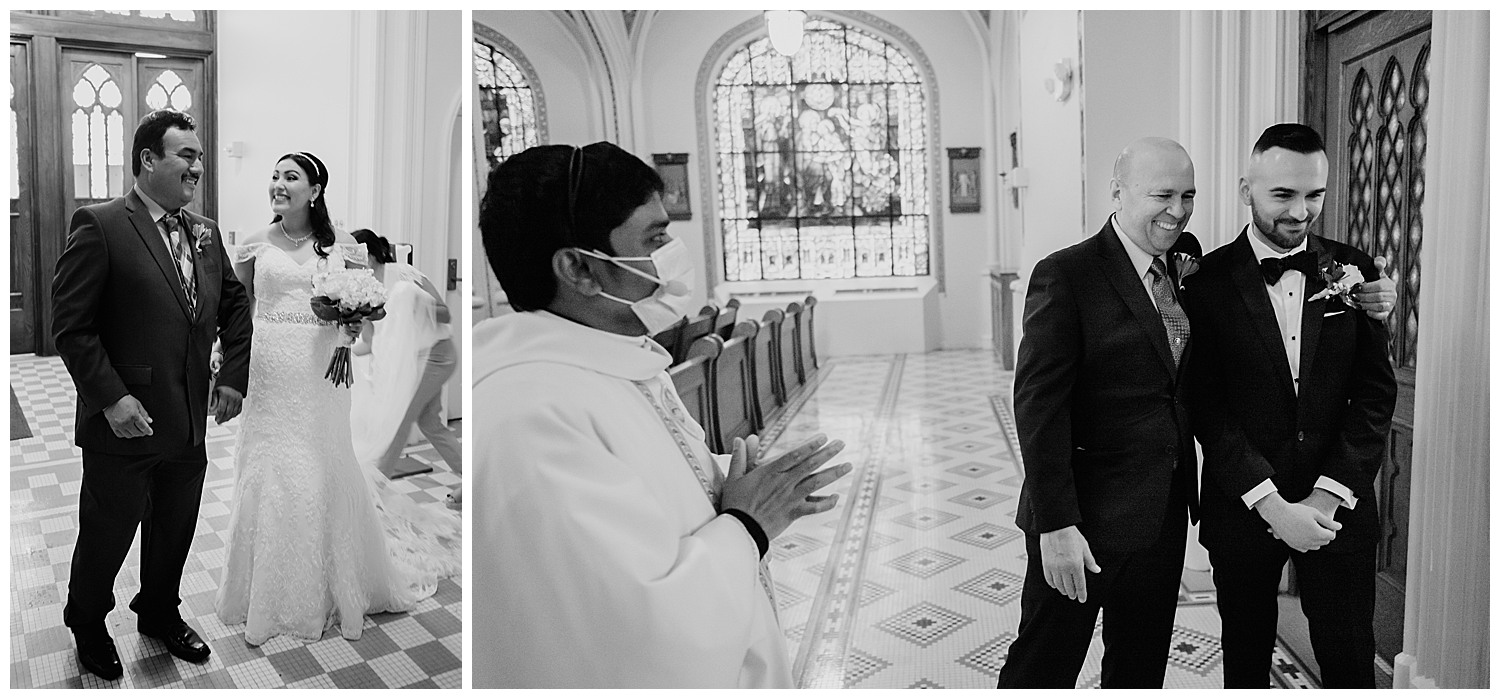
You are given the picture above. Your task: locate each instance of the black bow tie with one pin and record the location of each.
(1271, 268)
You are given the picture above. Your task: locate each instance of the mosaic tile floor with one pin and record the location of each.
(421, 648)
(914, 579)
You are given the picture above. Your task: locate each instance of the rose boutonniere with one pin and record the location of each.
(202, 237)
(1186, 264)
(1339, 280)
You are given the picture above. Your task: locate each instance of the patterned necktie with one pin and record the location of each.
(1172, 315)
(184, 259)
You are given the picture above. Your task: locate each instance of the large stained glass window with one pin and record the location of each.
(822, 159)
(507, 104)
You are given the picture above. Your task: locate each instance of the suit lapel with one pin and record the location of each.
(1245, 270)
(140, 217)
(1312, 311)
(1122, 276)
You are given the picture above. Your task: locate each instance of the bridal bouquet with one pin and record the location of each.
(348, 297)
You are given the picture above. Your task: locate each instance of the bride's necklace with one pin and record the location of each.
(296, 242)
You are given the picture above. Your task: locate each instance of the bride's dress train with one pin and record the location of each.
(314, 539)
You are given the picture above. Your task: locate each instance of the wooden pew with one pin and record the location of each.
(809, 341)
(668, 338)
(696, 327)
(694, 381)
(724, 324)
(734, 387)
(786, 349)
(770, 329)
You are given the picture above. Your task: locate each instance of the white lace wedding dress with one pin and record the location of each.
(314, 539)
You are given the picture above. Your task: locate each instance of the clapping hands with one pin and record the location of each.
(778, 493)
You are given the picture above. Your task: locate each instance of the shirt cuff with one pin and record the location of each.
(1265, 488)
(1338, 489)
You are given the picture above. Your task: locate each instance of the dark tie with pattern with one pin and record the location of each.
(184, 259)
(1172, 315)
(1271, 268)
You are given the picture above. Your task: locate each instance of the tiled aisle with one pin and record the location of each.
(914, 579)
(417, 649)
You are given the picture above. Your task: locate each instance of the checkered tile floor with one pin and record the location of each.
(421, 648)
(914, 579)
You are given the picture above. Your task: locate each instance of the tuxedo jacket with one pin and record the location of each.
(122, 325)
(1252, 423)
(1100, 406)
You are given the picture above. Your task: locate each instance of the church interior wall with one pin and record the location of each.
(276, 100)
(1051, 137)
(1128, 90)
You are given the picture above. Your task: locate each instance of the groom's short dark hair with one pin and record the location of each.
(149, 131)
(1297, 138)
(547, 198)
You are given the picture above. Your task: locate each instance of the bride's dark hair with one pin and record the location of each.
(322, 224)
(380, 249)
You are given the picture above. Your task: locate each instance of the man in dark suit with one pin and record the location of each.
(1292, 396)
(141, 290)
(1110, 468)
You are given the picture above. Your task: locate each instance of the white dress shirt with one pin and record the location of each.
(1287, 301)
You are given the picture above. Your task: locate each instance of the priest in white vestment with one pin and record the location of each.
(611, 548)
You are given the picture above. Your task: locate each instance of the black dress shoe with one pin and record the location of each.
(96, 653)
(179, 638)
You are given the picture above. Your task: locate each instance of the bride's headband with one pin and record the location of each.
(317, 169)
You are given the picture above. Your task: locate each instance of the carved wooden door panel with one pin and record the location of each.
(1367, 92)
(25, 292)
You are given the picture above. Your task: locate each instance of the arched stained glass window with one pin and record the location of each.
(822, 159)
(98, 133)
(507, 104)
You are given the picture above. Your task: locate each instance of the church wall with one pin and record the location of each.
(275, 100)
(1051, 139)
(1129, 90)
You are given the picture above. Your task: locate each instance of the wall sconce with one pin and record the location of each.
(785, 28)
(1060, 84)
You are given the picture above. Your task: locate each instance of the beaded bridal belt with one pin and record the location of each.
(296, 317)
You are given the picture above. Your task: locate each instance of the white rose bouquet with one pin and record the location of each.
(348, 297)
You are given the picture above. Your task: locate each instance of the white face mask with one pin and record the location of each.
(674, 293)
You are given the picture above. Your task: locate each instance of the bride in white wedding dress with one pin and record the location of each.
(314, 539)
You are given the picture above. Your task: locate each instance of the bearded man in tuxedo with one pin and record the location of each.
(1293, 392)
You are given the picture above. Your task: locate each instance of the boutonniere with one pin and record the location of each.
(1339, 280)
(202, 236)
(1186, 264)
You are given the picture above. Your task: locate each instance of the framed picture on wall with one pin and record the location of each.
(963, 180)
(673, 168)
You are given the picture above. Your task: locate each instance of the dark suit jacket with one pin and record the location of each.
(122, 325)
(1100, 407)
(1251, 422)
